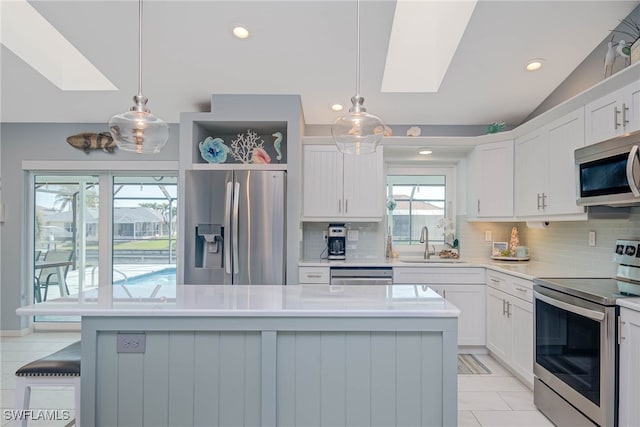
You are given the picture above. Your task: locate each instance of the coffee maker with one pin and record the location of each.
(336, 241)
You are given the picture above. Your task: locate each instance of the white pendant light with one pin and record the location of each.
(137, 129)
(357, 132)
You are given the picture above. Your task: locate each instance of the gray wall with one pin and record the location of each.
(40, 141)
(587, 74)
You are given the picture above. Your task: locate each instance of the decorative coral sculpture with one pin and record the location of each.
(243, 146)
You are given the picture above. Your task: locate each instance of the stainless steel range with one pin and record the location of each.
(576, 342)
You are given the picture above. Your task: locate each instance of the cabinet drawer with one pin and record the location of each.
(516, 286)
(438, 275)
(313, 275)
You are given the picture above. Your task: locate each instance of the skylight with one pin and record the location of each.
(424, 38)
(34, 40)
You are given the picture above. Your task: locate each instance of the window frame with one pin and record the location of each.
(106, 171)
(450, 174)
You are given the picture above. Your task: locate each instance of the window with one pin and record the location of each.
(144, 229)
(66, 224)
(417, 198)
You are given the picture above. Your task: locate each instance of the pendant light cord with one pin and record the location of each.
(357, 48)
(140, 47)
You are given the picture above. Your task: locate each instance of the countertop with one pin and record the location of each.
(632, 303)
(250, 301)
(525, 269)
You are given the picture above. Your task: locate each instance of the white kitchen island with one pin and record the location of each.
(265, 355)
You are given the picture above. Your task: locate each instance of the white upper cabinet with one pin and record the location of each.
(545, 176)
(346, 187)
(613, 115)
(490, 181)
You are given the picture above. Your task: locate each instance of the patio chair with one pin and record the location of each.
(49, 275)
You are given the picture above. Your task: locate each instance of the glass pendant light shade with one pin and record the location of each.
(357, 132)
(138, 130)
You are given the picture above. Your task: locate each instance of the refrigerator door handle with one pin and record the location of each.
(227, 228)
(236, 198)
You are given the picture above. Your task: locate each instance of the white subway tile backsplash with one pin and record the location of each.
(370, 243)
(561, 243)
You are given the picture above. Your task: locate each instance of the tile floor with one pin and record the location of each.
(492, 400)
(496, 400)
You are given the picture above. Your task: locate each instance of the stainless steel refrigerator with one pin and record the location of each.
(235, 227)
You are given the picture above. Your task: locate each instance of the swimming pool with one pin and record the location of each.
(166, 276)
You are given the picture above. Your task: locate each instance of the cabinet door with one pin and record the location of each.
(495, 180)
(498, 326)
(632, 102)
(629, 410)
(470, 299)
(565, 135)
(530, 173)
(520, 314)
(322, 181)
(364, 185)
(603, 118)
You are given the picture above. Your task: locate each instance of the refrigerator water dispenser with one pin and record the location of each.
(209, 247)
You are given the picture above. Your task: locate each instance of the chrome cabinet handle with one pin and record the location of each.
(508, 309)
(317, 276)
(494, 280)
(616, 113)
(444, 293)
(544, 204)
(339, 206)
(624, 115)
(620, 337)
(538, 194)
(521, 289)
(504, 307)
(478, 205)
(346, 206)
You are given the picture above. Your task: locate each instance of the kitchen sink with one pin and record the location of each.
(419, 259)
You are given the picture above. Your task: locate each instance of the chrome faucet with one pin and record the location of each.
(424, 238)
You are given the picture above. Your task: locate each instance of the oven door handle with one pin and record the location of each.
(591, 314)
(631, 161)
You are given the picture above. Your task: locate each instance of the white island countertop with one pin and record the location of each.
(257, 301)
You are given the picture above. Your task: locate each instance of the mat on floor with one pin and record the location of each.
(468, 364)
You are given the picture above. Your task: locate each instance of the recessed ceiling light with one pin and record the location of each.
(534, 64)
(337, 107)
(424, 151)
(241, 32)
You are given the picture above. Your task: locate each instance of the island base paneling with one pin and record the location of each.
(345, 371)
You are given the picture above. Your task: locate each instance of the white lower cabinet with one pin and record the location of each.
(629, 389)
(463, 287)
(470, 300)
(510, 323)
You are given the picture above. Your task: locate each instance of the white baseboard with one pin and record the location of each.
(56, 326)
(16, 333)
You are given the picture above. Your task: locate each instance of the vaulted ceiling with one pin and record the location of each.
(308, 48)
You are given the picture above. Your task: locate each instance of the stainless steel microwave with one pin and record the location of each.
(608, 173)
